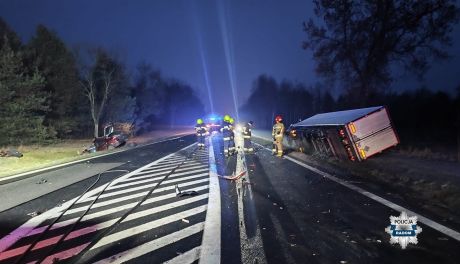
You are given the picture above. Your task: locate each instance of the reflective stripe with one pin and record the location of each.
(246, 136)
(226, 138)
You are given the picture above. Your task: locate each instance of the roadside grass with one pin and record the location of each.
(37, 157)
(42, 156)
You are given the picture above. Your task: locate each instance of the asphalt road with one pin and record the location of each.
(277, 211)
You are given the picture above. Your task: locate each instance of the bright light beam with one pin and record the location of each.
(228, 49)
(204, 64)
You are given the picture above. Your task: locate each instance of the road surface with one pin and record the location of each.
(275, 210)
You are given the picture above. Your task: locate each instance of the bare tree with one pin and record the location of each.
(97, 80)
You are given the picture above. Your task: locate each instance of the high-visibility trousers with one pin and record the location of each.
(247, 147)
(278, 146)
(227, 145)
(200, 138)
(231, 147)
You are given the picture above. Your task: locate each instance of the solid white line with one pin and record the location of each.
(147, 186)
(129, 232)
(155, 179)
(185, 258)
(136, 178)
(112, 210)
(82, 160)
(210, 246)
(436, 226)
(132, 196)
(252, 249)
(154, 245)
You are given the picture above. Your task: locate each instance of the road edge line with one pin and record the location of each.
(25, 174)
(422, 219)
(211, 243)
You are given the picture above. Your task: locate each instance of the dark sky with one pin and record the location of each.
(235, 41)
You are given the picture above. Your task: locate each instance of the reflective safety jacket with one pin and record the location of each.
(227, 130)
(247, 133)
(278, 130)
(201, 130)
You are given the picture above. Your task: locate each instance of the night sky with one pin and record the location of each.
(212, 45)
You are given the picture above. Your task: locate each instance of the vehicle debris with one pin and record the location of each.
(110, 140)
(42, 181)
(181, 193)
(185, 220)
(10, 153)
(34, 213)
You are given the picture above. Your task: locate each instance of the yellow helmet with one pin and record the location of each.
(227, 118)
(231, 120)
(199, 121)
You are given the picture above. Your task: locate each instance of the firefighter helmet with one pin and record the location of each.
(231, 120)
(278, 118)
(199, 121)
(227, 118)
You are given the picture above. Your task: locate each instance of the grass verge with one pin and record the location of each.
(38, 157)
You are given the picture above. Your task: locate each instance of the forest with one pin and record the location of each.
(50, 91)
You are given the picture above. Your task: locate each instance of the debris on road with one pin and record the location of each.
(184, 193)
(185, 220)
(42, 181)
(34, 213)
(10, 153)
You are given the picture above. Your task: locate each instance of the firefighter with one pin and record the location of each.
(226, 134)
(201, 131)
(247, 133)
(278, 133)
(232, 149)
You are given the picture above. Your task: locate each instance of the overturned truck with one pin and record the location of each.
(352, 134)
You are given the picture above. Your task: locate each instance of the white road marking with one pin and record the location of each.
(147, 186)
(160, 166)
(8, 240)
(186, 258)
(210, 246)
(436, 226)
(129, 232)
(252, 249)
(179, 169)
(132, 196)
(169, 167)
(132, 231)
(163, 173)
(154, 245)
(112, 210)
(156, 179)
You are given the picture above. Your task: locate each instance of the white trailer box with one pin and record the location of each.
(356, 134)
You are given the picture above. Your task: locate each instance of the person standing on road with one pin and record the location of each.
(201, 132)
(247, 134)
(226, 134)
(278, 133)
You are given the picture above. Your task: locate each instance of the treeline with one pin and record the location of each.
(422, 117)
(49, 91)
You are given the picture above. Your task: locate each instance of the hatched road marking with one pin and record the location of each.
(122, 195)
